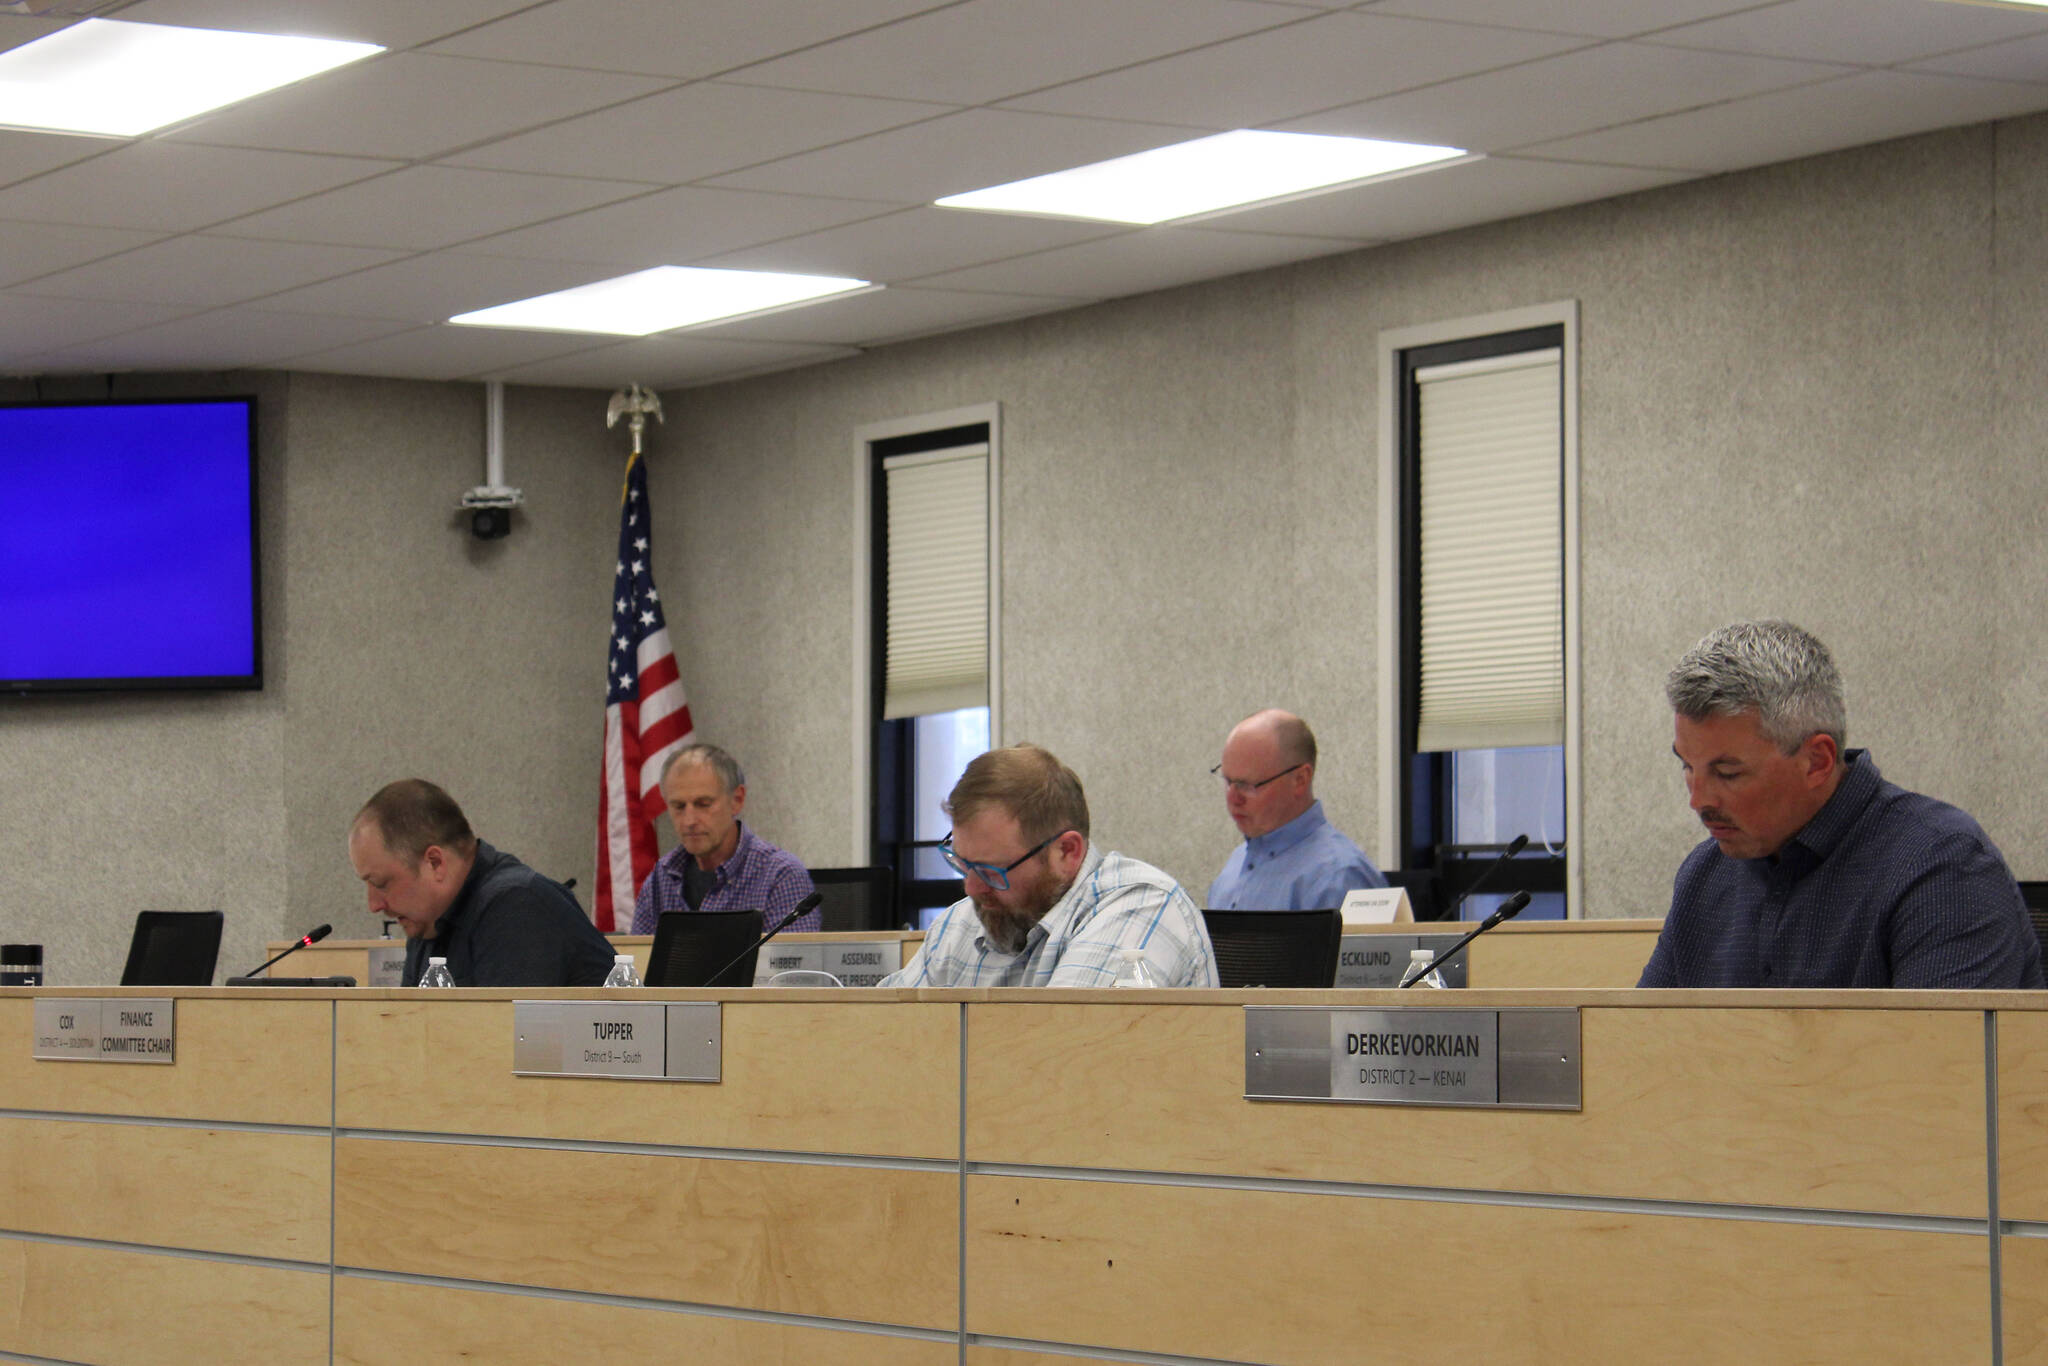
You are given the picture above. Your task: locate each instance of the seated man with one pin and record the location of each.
(1044, 906)
(496, 921)
(1818, 872)
(718, 864)
(1291, 859)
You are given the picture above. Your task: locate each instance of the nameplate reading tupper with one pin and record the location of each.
(654, 1041)
(105, 1029)
(1517, 1059)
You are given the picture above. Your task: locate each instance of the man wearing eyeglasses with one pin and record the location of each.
(1292, 859)
(1044, 905)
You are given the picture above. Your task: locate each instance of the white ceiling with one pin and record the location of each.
(504, 148)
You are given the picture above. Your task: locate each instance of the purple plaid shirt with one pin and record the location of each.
(758, 877)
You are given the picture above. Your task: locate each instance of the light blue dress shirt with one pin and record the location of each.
(1305, 865)
(1115, 903)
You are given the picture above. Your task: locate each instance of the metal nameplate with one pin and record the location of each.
(633, 1041)
(778, 957)
(1518, 1058)
(1378, 960)
(863, 963)
(387, 965)
(106, 1029)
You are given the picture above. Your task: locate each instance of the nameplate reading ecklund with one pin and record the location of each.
(652, 1041)
(105, 1029)
(1523, 1059)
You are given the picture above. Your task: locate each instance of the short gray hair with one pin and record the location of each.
(1772, 668)
(724, 765)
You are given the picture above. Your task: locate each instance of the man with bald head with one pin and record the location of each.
(1292, 859)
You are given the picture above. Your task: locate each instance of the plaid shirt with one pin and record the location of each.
(1115, 903)
(758, 877)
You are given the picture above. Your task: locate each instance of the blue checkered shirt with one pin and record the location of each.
(1115, 903)
(1882, 888)
(758, 877)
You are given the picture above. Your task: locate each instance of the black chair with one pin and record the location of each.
(1425, 891)
(173, 949)
(1275, 948)
(2035, 894)
(691, 945)
(856, 898)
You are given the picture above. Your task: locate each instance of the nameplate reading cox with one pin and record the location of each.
(655, 1041)
(1516, 1059)
(105, 1029)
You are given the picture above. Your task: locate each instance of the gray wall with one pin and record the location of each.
(394, 646)
(1813, 390)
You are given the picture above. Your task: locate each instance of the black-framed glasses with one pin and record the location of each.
(997, 876)
(1244, 787)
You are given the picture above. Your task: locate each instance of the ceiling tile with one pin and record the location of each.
(23, 154)
(1480, 191)
(699, 130)
(225, 339)
(1558, 96)
(16, 29)
(444, 352)
(411, 106)
(668, 40)
(1136, 261)
(1870, 105)
(425, 289)
(423, 207)
(676, 227)
(1876, 32)
(668, 363)
(1333, 59)
(914, 242)
(2018, 59)
(31, 249)
(885, 315)
(984, 50)
(175, 187)
(393, 23)
(1592, 18)
(206, 272)
(30, 325)
(950, 155)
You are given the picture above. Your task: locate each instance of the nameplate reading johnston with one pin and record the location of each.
(651, 1041)
(1514, 1059)
(105, 1029)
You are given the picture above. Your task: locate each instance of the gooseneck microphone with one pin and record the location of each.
(313, 936)
(1509, 909)
(804, 907)
(1515, 846)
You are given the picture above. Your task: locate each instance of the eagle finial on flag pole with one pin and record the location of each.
(635, 404)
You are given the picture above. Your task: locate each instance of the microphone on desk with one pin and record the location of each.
(1515, 846)
(1509, 909)
(313, 936)
(804, 907)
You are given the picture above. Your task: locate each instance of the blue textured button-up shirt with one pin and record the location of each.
(1882, 888)
(1305, 865)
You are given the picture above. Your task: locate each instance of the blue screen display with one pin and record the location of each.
(127, 547)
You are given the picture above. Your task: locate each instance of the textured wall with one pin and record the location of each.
(394, 645)
(1812, 390)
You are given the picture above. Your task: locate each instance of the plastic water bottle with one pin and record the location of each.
(437, 974)
(1133, 971)
(622, 974)
(1418, 966)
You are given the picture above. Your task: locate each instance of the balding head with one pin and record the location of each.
(1268, 771)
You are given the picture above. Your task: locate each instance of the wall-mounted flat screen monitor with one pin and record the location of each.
(128, 546)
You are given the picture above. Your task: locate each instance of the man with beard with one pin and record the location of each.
(1044, 906)
(1817, 872)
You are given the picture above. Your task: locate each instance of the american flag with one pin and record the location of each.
(645, 715)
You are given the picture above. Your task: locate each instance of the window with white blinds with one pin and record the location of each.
(1491, 601)
(937, 622)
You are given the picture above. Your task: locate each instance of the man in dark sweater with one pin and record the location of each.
(496, 921)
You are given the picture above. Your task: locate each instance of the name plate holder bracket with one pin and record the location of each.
(1522, 1058)
(623, 1041)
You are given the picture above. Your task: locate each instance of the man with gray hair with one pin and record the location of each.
(718, 864)
(1817, 872)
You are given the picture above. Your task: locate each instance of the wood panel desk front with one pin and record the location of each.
(352, 957)
(1025, 1178)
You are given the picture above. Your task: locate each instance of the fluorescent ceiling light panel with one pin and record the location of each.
(1226, 171)
(660, 300)
(116, 78)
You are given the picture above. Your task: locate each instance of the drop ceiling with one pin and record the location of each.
(502, 149)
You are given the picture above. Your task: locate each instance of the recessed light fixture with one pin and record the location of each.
(1227, 171)
(112, 77)
(660, 300)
